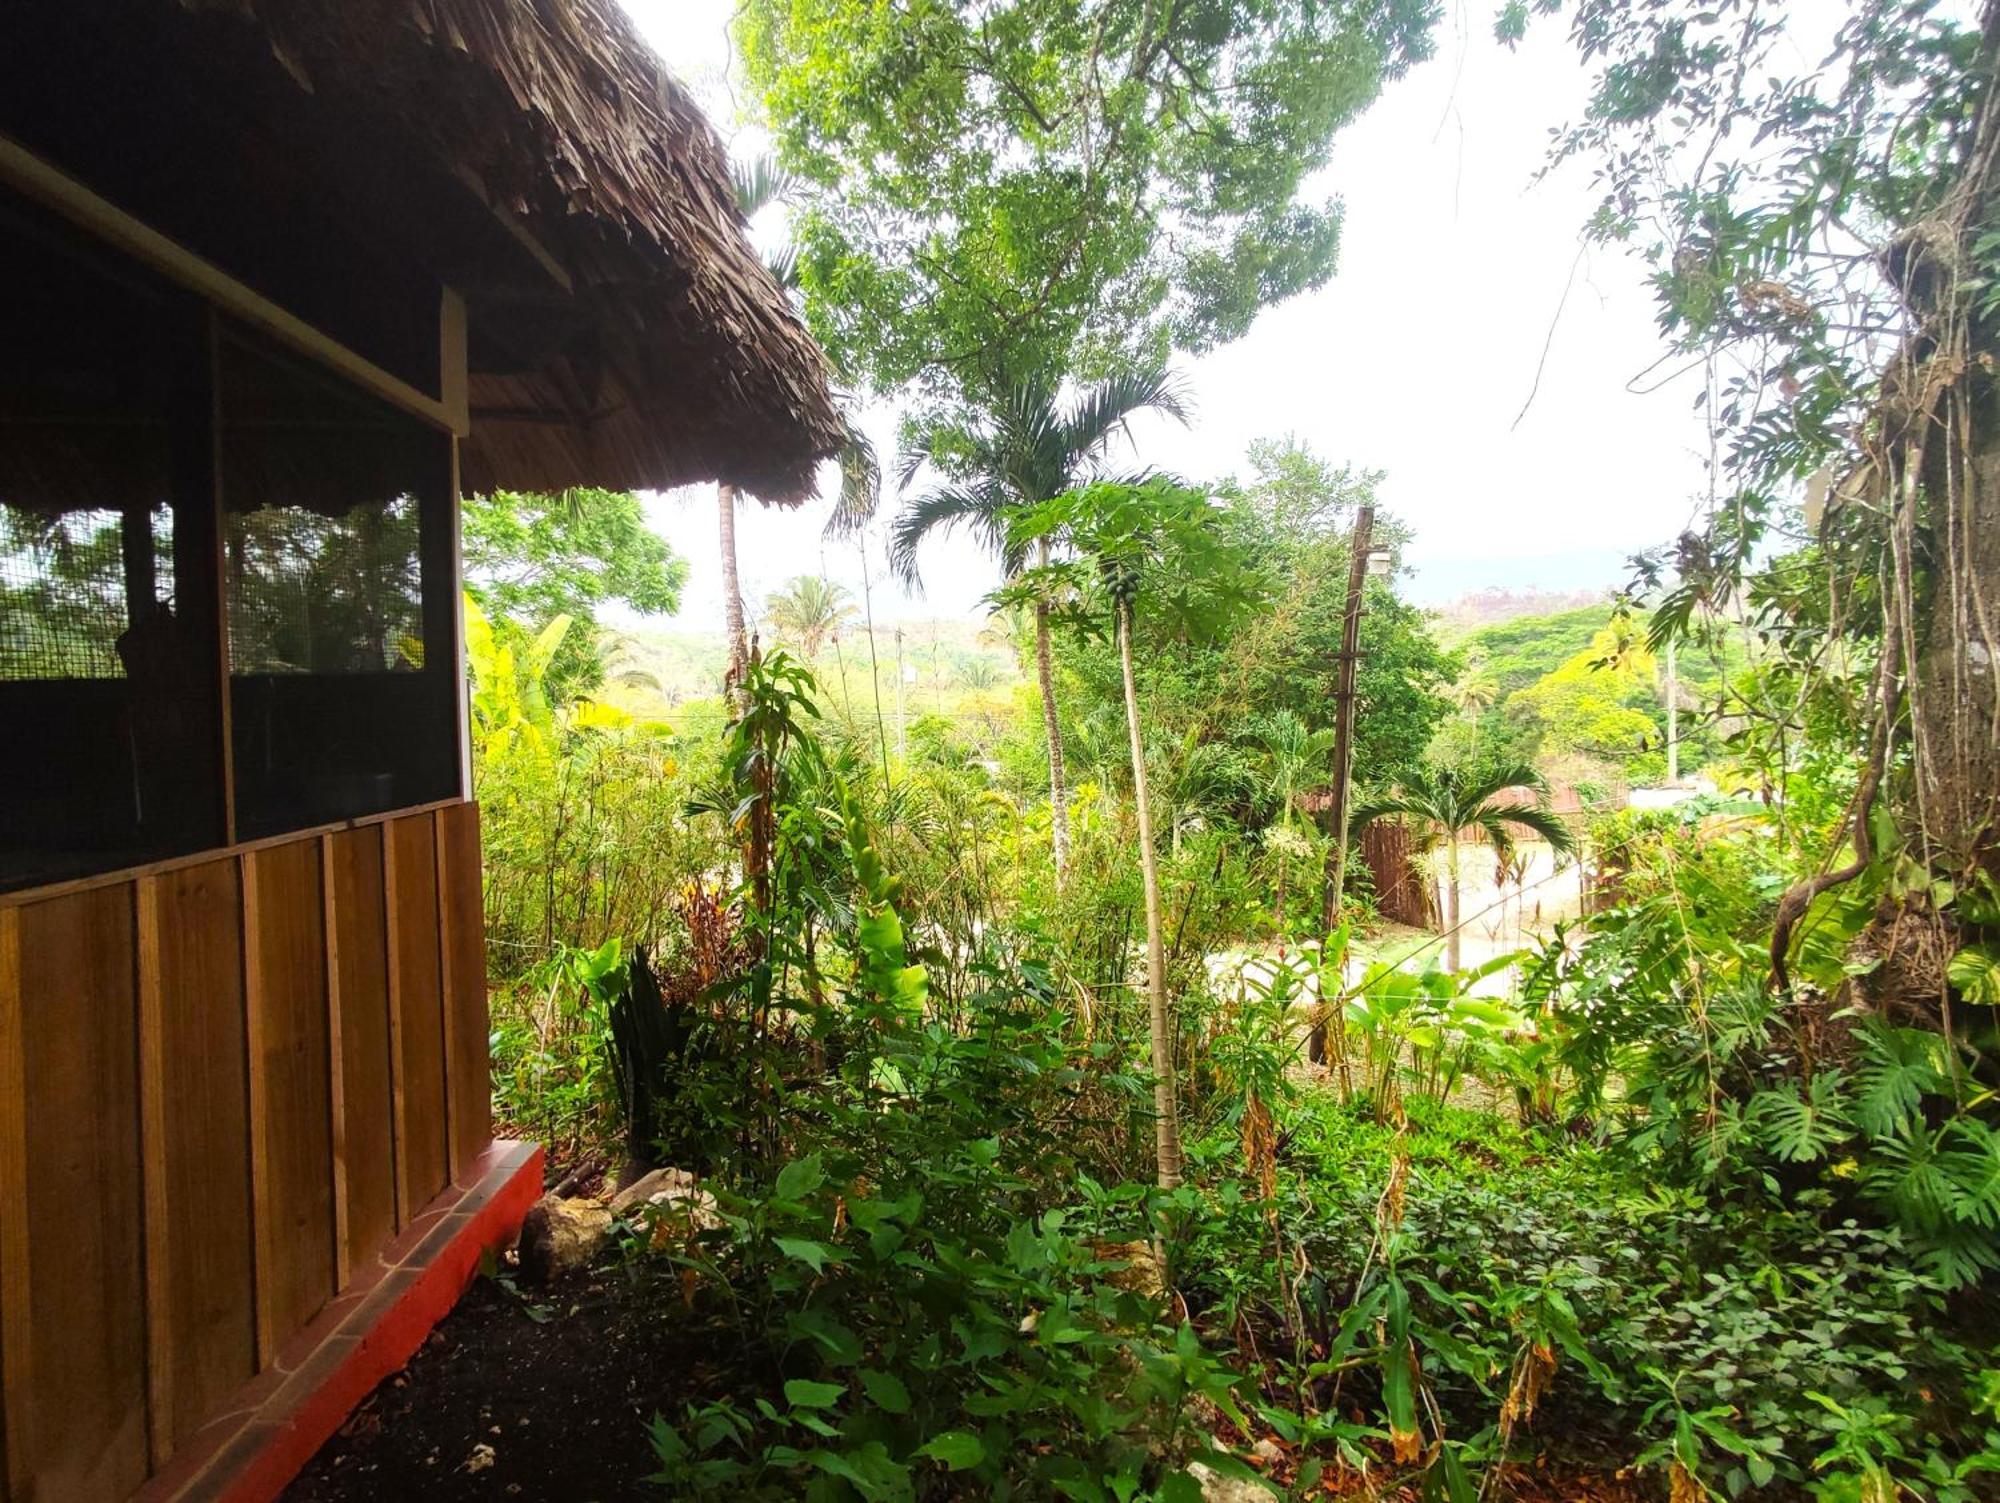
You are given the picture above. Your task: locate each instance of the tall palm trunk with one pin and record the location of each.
(1451, 890)
(1045, 675)
(1284, 870)
(732, 593)
(756, 834)
(1167, 1127)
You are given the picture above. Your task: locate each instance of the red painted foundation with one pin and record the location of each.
(285, 1414)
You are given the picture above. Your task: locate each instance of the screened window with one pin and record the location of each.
(337, 567)
(109, 728)
(70, 586)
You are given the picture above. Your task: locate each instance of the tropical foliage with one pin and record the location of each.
(1055, 1148)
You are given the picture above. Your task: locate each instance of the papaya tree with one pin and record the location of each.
(1158, 554)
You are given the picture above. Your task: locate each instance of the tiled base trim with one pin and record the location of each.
(280, 1418)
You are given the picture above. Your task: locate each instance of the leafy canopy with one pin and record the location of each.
(1296, 510)
(1035, 187)
(531, 558)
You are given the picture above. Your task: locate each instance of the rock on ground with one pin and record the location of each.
(561, 1237)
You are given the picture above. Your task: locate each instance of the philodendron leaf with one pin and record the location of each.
(1975, 971)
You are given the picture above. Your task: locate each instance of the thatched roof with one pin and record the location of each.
(659, 350)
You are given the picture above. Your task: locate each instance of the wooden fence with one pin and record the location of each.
(1402, 889)
(224, 1083)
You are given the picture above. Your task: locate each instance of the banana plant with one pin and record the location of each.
(510, 702)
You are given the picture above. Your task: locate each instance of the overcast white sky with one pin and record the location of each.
(1417, 359)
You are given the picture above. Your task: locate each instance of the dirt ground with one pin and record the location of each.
(518, 1399)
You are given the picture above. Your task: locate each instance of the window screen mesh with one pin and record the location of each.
(319, 594)
(64, 596)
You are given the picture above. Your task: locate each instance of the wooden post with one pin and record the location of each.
(1343, 724)
(18, 1451)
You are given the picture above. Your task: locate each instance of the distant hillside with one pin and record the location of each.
(668, 668)
(1518, 651)
(1490, 607)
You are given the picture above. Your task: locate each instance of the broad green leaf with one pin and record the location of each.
(885, 1391)
(1975, 971)
(799, 1178)
(818, 1254)
(957, 1450)
(804, 1393)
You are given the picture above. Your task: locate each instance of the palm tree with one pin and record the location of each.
(1028, 448)
(1293, 757)
(979, 672)
(759, 183)
(1474, 692)
(808, 611)
(1448, 803)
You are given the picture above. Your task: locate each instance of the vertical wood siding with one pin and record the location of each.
(84, 1284)
(462, 929)
(367, 1147)
(194, 1097)
(291, 1134)
(417, 999)
(224, 1083)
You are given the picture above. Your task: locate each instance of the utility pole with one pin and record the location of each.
(1673, 717)
(902, 734)
(1343, 723)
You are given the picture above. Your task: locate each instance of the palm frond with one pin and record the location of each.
(860, 482)
(783, 264)
(1389, 806)
(910, 462)
(980, 506)
(759, 183)
(1494, 781)
(1089, 422)
(1545, 824)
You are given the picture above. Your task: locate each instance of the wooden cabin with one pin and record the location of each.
(283, 279)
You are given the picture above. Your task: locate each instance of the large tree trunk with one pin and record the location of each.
(1045, 675)
(1167, 1126)
(738, 641)
(1958, 684)
(1954, 439)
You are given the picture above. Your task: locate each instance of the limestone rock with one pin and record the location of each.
(561, 1237)
(681, 1204)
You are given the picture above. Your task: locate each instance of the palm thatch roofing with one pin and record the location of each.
(657, 349)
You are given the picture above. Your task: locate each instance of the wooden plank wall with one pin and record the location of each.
(224, 1083)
